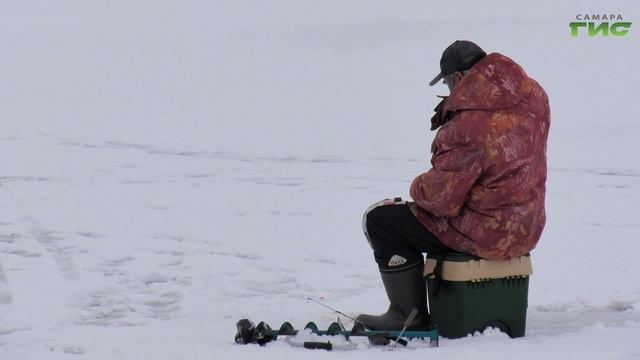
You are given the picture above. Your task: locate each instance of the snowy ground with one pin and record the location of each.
(169, 168)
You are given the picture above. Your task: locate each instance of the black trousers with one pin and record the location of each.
(397, 238)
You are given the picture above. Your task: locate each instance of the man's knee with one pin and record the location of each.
(368, 220)
(376, 228)
(374, 219)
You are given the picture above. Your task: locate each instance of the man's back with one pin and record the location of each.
(485, 192)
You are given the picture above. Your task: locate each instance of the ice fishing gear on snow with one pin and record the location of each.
(409, 320)
(248, 333)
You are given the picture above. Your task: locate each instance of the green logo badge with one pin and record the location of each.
(600, 25)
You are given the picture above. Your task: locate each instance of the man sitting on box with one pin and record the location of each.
(484, 194)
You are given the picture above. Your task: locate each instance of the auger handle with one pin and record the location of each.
(407, 323)
(314, 345)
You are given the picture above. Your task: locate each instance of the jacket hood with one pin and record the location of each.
(493, 83)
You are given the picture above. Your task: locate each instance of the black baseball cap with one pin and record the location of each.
(459, 56)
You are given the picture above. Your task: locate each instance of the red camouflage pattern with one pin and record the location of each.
(484, 194)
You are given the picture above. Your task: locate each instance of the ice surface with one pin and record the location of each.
(171, 167)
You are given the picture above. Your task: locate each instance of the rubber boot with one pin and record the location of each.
(406, 290)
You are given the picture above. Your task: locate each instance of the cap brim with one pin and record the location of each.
(436, 79)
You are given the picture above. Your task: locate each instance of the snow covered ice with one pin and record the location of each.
(169, 168)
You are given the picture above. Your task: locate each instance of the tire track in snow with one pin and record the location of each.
(5, 292)
(41, 284)
(46, 238)
(50, 242)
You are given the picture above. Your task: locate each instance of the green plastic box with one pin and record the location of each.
(468, 294)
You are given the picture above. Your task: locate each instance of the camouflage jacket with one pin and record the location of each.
(484, 194)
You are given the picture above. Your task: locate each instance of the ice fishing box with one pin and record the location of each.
(468, 294)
